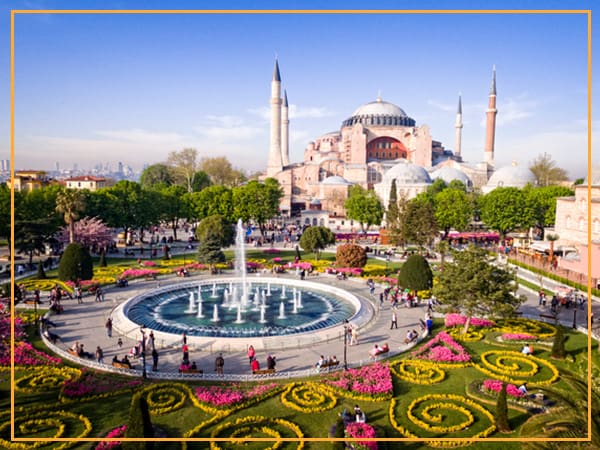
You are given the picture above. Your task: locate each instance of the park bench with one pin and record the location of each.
(121, 365)
(329, 365)
(263, 371)
(547, 316)
(517, 313)
(150, 277)
(191, 371)
(72, 352)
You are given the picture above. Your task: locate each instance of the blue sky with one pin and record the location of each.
(105, 88)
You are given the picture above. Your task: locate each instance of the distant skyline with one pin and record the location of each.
(94, 88)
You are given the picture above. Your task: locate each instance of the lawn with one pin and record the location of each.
(434, 391)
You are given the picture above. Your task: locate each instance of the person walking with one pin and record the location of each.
(109, 327)
(99, 355)
(219, 363)
(186, 353)
(394, 320)
(251, 353)
(154, 360)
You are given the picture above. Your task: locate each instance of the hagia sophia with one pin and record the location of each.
(377, 143)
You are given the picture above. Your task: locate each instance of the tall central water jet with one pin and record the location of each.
(240, 258)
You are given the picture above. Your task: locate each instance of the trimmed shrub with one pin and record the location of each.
(139, 425)
(416, 274)
(41, 275)
(350, 255)
(75, 264)
(502, 411)
(102, 262)
(558, 346)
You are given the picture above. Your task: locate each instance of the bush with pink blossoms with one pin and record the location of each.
(442, 348)
(26, 355)
(374, 380)
(92, 383)
(496, 386)
(226, 396)
(361, 430)
(518, 337)
(454, 320)
(116, 433)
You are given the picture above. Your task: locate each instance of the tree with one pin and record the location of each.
(213, 233)
(172, 205)
(75, 264)
(200, 181)
(453, 210)
(502, 411)
(221, 172)
(506, 209)
(542, 201)
(442, 248)
(397, 223)
(213, 200)
(546, 172)
(420, 225)
(139, 425)
(157, 174)
(364, 207)
(471, 284)
(552, 238)
(89, 232)
(416, 274)
(32, 235)
(41, 274)
(339, 433)
(350, 255)
(70, 203)
(184, 164)
(392, 214)
(315, 239)
(257, 201)
(558, 345)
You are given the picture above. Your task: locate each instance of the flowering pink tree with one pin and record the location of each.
(89, 232)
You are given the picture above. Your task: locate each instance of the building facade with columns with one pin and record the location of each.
(378, 138)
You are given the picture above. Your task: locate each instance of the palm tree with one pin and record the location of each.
(442, 247)
(70, 203)
(551, 238)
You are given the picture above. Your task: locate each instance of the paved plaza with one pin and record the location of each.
(85, 323)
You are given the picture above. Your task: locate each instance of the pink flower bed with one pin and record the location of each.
(253, 265)
(362, 430)
(496, 386)
(116, 433)
(149, 263)
(94, 383)
(453, 320)
(518, 337)
(277, 260)
(225, 396)
(356, 271)
(374, 380)
(302, 265)
(442, 348)
(137, 273)
(26, 355)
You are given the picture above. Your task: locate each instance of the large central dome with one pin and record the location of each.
(379, 113)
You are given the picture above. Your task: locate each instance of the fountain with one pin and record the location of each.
(214, 291)
(281, 311)
(262, 314)
(200, 315)
(215, 313)
(191, 305)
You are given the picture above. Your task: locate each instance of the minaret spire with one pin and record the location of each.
(458, 126)
(274, 164)
(490, 124)
(285, 126)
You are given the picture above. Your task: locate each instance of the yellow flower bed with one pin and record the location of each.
(418, 371)
(44, 378)
(30, 425)
(519, 325)
(472, 334)
(309, 397)
(44, 285)
(165, 397)
(245, 427)
(513, 373)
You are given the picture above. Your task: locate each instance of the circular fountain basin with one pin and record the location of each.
(275, 313)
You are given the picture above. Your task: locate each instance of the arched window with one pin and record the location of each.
(581, 224)
(568, 222)
(596, 226)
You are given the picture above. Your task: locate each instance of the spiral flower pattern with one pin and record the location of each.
(309, 397)
(45, 378)
(540, 329)
(418, 372)
(472, 335)
(47, 425)
(245, 429)
(165, 398)
(443, 415)
(516, 368)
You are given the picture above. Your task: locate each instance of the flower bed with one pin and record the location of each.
(26, 355)
(361, 430)
(257, 426)
(309, 398)
(93, 384)
(44, 378)
(115, 433)
(518, 337)
(372, 382)
(443, 349)
(454, 320)
(496, 386)
(226, 396)
(417, 371)
(516, 368)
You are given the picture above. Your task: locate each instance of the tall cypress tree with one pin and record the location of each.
(558, 346)
(392, 214)
(139, 425)
(502, 411)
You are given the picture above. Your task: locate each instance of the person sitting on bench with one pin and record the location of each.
(52, 337)
(125, 361)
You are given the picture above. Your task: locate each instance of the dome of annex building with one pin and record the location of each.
(449, 174)
(510, 176)
(379, 113)
(336, 180)
(595, 177)
(406, 173)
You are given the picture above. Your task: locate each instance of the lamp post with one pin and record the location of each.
(345, 344)
(387, 263)
(575, 317)
(144, 375)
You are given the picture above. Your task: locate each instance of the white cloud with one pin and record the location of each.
(443, 106)
(228, 128)
(511, 110)
(139, 135)
(295, 112)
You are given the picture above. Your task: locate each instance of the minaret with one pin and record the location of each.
(490, 123)
(285, 128)
(458, 126)
(275, 164)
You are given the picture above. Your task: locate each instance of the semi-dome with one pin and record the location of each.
(595, 177)
(379, 113)
(510, 176)
(406, 173)
(336, 180)
(449, 174)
